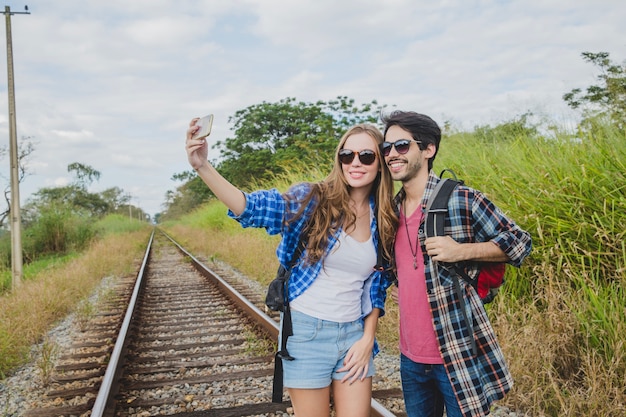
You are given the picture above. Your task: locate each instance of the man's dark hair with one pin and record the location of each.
(422, 128)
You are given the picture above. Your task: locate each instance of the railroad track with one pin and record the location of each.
(177, 340)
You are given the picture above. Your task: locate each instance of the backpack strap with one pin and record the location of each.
(436, 211)
(286, 331)
(380, 256)
(437, 207)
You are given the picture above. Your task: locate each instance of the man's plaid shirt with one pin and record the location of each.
(477, 380)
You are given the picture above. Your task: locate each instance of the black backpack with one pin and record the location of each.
(491, 275)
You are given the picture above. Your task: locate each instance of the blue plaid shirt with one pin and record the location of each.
(269, 209)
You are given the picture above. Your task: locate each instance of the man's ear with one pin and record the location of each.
(430, 150)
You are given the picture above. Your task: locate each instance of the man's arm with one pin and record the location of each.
(446, 249)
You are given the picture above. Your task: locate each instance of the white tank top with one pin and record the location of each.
(335, 295)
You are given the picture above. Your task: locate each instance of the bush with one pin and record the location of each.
(57, 232)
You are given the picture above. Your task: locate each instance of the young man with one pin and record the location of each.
(444, 361)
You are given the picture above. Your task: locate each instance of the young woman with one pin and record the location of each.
(336, 296)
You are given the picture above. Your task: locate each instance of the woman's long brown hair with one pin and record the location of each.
(333, 210)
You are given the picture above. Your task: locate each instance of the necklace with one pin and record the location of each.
(417, 240)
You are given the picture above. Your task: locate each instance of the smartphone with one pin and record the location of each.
(205, 124)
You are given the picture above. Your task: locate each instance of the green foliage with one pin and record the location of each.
(78, 235)
(187, 196)
(48, 352)
(12, 351)
(77, 199)
(608, 98)
(115, 198)
(118, 224)
(207, 217)
(519, 127)
(571, 195)
(73, 197)
(57, 231)
(85, 175)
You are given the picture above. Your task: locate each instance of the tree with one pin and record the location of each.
(606, 99)
(77, 199)
(115, 198)
(24, 149)
(519, 126)
(85, 175)
(72, 197)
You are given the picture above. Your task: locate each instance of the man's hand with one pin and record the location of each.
(444, 249)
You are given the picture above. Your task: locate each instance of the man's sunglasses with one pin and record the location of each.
(366, 156)
(402, 146)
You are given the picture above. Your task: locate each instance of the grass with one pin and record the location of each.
(48, 351)
(112, 224)
(561, 318)
(52, 293)
(33, 269)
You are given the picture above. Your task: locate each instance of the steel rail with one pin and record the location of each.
(377, 409)
(105, 400)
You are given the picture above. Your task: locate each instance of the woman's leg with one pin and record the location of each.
(352, 400)
(310, 402)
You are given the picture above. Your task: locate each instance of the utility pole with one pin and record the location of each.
(130, 209)
(14, 209)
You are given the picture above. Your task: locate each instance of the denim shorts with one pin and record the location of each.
(319, 348)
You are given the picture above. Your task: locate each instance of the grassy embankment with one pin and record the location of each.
(54, 287)
(561, 318)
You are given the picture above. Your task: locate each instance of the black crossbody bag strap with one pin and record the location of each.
(286, 331)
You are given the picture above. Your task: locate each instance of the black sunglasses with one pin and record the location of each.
(402, 146)
(366, 156)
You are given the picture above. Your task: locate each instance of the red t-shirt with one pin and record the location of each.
(418, 341)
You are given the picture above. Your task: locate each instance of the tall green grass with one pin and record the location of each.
(570, 193)
(561, 317)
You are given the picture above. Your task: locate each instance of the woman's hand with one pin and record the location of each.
(197, 149)
(357, 361)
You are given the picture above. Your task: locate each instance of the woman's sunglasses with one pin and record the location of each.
(402, 146)
(366, 156)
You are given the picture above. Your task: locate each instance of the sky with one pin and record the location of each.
(113, 84)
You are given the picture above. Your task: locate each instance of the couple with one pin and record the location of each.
(336, 297)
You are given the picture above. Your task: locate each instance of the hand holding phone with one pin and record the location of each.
(205, 124)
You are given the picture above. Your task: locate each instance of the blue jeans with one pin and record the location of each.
(426, 389)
